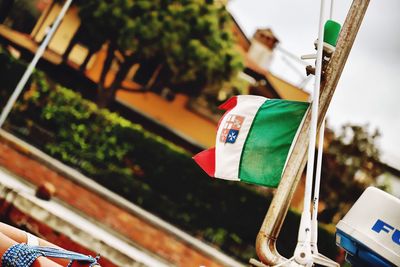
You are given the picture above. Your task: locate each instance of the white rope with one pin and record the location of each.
(31, 67)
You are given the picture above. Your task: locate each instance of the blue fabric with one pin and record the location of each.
(22, 255)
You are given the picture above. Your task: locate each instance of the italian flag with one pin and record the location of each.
(254, 139)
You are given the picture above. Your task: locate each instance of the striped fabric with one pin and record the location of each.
(253, 139)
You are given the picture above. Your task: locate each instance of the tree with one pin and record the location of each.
(350, 164)
(190, 40)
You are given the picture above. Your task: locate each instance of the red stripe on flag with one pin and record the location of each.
(206, 160)
(227, 105)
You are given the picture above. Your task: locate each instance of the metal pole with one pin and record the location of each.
(268, 234)
(314, 219)
(31, 67)
(302, 253)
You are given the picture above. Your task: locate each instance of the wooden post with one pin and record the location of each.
(266, 238)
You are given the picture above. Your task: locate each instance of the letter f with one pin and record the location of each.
(382, 226)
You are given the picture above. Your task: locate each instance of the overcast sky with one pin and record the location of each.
(369, 88)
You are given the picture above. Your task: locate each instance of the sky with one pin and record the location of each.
(369, 88)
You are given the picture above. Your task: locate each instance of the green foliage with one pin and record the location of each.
(190, 40)
(10, 72)
(198, 44)
(350, 165)
(147, 170)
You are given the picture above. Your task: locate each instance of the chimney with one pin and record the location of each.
(262, 47)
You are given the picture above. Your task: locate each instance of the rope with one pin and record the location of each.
(22, 255)
(19, 255)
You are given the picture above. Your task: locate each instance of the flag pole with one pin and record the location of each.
(28, 72)
(314, 219)
(331, 33)
(317, 257)
(274, 218)
(302, 254)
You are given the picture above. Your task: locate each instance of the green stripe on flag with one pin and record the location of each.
(269, 140)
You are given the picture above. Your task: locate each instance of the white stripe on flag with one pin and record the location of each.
(227, 155)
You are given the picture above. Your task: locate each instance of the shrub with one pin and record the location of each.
(10, 72)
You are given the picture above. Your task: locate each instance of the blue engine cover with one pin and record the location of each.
(370, 231)
(358, 254)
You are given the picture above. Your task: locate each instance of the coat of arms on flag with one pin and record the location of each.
(231, 129)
